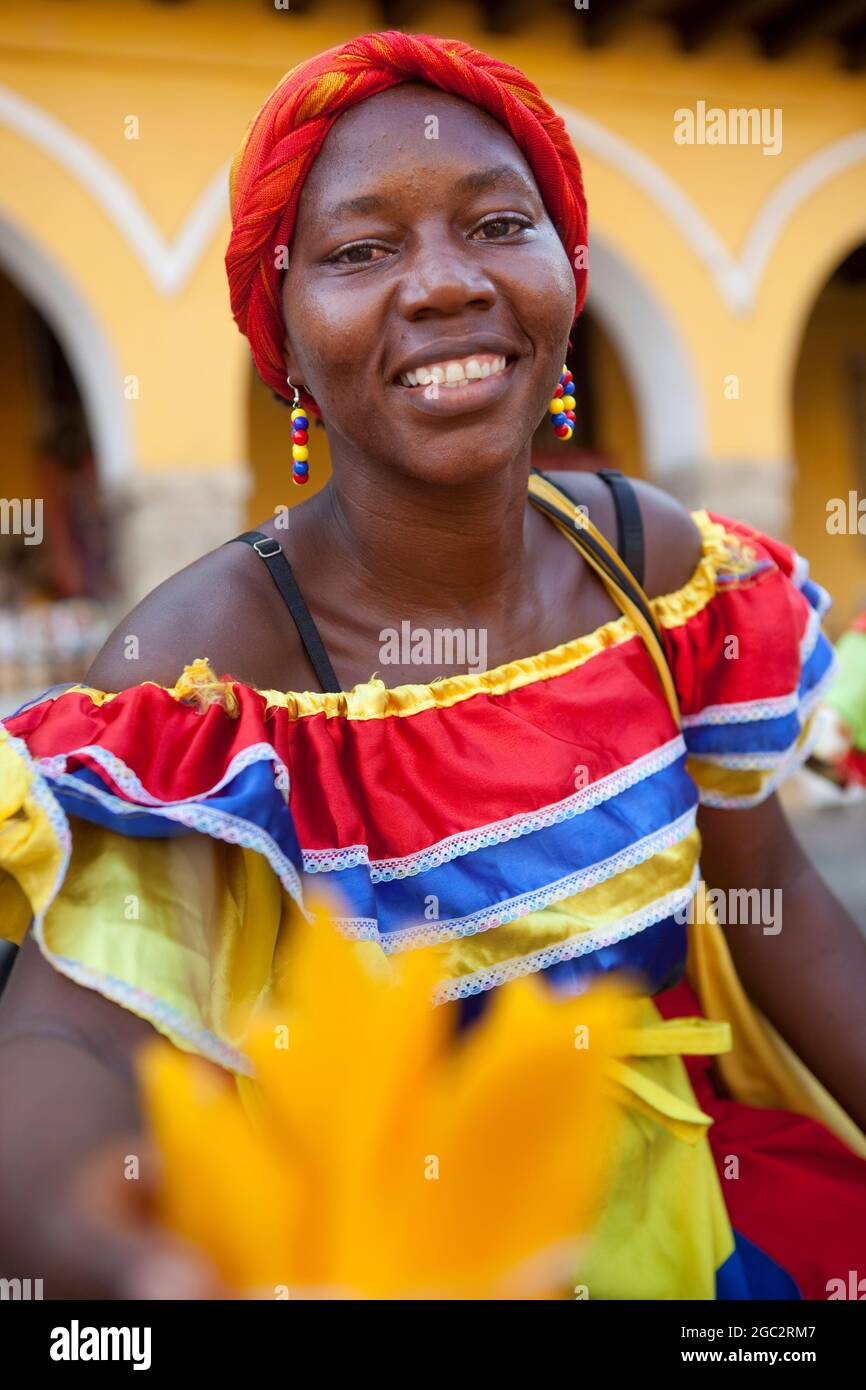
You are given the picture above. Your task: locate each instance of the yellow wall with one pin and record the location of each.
(617, 425)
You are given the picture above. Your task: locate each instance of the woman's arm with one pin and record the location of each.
(809, 976)
(69, 1111)
(69, 1117)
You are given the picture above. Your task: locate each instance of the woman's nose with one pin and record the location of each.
(441, 276)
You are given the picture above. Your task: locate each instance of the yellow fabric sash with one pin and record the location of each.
(675, 1037)
(572, 524)
(760, 1069)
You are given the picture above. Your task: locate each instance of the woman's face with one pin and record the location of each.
(421, 241)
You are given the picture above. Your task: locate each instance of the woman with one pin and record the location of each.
(404, 204)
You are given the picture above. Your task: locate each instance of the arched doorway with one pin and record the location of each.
(56, 578)
(607, 430)
(829, 429)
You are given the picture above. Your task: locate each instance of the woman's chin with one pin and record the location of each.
(471, 465)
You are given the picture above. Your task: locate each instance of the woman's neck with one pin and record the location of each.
(427, 546)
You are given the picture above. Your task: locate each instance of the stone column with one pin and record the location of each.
(164, 520)
(756, 492)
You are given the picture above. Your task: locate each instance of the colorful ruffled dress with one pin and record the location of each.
(538, 817)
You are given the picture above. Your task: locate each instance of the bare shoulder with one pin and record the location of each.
(223, 606)
(672, 540)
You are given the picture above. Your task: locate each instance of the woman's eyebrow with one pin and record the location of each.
(475, 182)
(479, 179)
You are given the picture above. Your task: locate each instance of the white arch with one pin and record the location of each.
(801, 183)
(169, 264)
(737, 278)
(84, 343)
(669, 400)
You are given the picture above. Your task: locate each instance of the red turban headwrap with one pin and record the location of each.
(268, 172)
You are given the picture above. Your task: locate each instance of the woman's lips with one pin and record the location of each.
(460, 399)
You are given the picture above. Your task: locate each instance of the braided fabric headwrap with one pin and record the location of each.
(269, 170)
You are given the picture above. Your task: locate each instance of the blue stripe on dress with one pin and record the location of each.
(762, 735)
(749, 1273)
(251, 802)
(483, 878)
(478, 882)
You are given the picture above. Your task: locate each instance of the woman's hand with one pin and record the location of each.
(97, 1238)
(77, 1179)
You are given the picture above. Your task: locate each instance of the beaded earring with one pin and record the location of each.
(300, 437)
(561, 408)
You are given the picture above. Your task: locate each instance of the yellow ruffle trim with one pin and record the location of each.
(200, 687)
(722, 553)
(32, 847)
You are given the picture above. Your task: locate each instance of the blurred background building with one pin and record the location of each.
(722, 354)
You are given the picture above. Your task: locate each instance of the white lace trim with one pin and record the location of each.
(123, 776)
(742, 711)
(499, 914)
(119, 991)
(358, 928)
(799, 570)
(749, 711)
(815, 695)
(219, 825)
(755, 761)
(146, 1005)
(824, 600)
(800, 576)
(42, 794)
(326, 861)
(497, 832)
(743, 762)
(595, 940)
(811, 633)
(794, 758)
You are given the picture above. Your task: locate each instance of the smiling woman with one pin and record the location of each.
(477, 221)
(407, 213)
(448, 252)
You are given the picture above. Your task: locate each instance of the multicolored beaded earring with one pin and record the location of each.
(300, 438)
(561, 408)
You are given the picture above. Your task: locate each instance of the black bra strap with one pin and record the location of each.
(583, 540)
(270, 550)
(629, 523)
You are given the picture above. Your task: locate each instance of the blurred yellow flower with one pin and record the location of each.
(389, 1155)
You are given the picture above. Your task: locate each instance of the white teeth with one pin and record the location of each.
(455, 373)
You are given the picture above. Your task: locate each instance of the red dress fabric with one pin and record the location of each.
(800, 1194)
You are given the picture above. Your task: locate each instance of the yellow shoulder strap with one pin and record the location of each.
(619, 582)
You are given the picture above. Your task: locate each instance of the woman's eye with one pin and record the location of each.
(349, 251)
(361, 252)
(501, 224)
